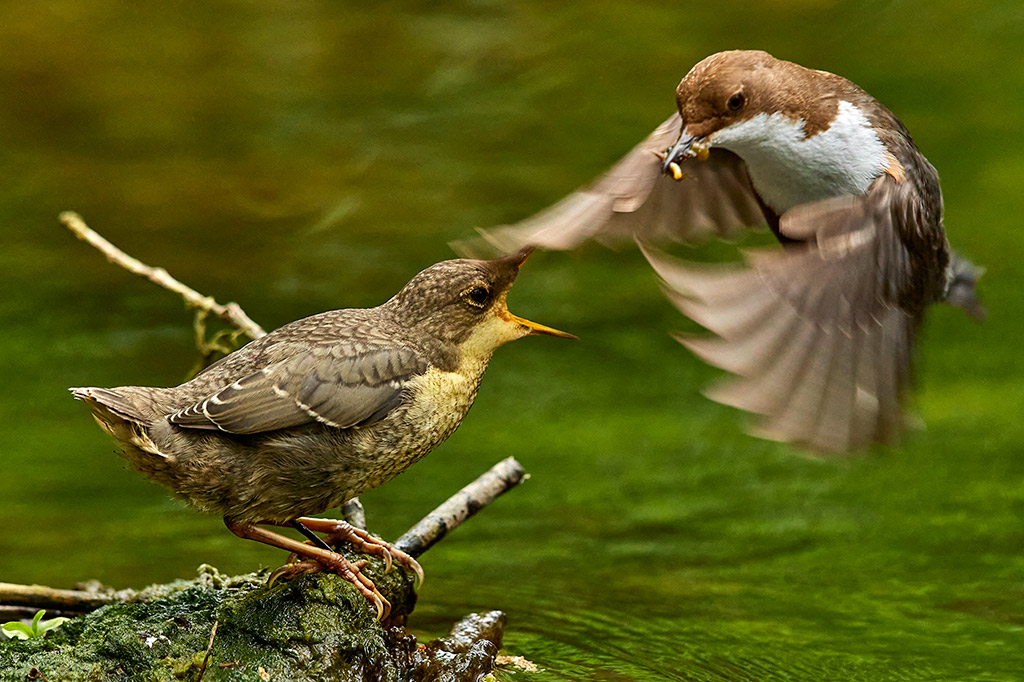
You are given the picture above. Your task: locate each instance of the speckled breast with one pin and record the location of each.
(437, 403)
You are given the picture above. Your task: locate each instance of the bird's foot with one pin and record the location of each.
(349, 570)
(293, 569)
(314, 559)
(338, 531)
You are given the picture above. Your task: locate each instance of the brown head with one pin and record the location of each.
(462, 301)
(730, 87)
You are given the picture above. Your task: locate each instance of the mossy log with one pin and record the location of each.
(218, 628)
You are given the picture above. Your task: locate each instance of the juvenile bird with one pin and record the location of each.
(821, 331)
(323, 409)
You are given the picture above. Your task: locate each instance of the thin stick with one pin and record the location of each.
(354, 513)
(231, 313)
(502, 477)
(209, 648)
(42, 597)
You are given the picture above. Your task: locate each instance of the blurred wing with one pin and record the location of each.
(820, 334)
(331, 384)
(635, 199)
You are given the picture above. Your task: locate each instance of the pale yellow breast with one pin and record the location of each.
(438, 401)
(443, 398)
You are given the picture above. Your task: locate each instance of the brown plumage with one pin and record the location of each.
(820, 333)
(322, 409)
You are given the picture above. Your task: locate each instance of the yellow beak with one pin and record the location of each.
(518, 259)
(541, 329)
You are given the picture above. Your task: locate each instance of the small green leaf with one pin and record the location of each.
(49, 624)
(35, 621)
(16, 630)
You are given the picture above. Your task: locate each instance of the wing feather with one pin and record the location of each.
(635, 199)
(340, 385)
(819, 334)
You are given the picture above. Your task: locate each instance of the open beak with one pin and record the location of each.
(687, 146)
(518, 259)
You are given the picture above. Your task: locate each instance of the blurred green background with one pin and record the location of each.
(302, 156)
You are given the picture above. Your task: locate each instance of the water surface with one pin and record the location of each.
(311, 156)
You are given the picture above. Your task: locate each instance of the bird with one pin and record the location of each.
(817, 333)
(322, 409)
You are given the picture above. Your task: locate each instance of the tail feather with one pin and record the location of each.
(113, 400)
(962, 277)
(124, 413)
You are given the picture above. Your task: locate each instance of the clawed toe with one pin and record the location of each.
(341, 567)
(314, 559)
(409, 563)
(293, 569)
(368, 543)
(338, 532)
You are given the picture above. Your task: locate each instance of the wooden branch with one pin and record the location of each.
(231, 313)
(354, 513)
(502, 477)
(42, 597)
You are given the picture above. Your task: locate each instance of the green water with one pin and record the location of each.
(308, 156)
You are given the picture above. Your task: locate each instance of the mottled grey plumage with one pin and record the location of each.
(324, 408)
(820, 332)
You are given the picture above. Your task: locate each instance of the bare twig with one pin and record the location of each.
(354, 513)
(209, 648)
(231, 313)
(502, 477)
(42, 597)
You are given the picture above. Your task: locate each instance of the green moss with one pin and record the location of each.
(316, 627)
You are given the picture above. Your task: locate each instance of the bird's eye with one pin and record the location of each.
(736, 101)
(477, 296)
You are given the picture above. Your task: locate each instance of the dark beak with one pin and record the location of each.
(687, 146)
(517, 259)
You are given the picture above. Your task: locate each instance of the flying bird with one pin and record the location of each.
(819, 332)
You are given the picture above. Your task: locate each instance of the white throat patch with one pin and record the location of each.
(789, 169)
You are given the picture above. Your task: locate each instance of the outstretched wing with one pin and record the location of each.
(820, 334)
(635, 199)
(336, 384)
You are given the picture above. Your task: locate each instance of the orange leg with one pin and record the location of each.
(320, 559)
(339, 531)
